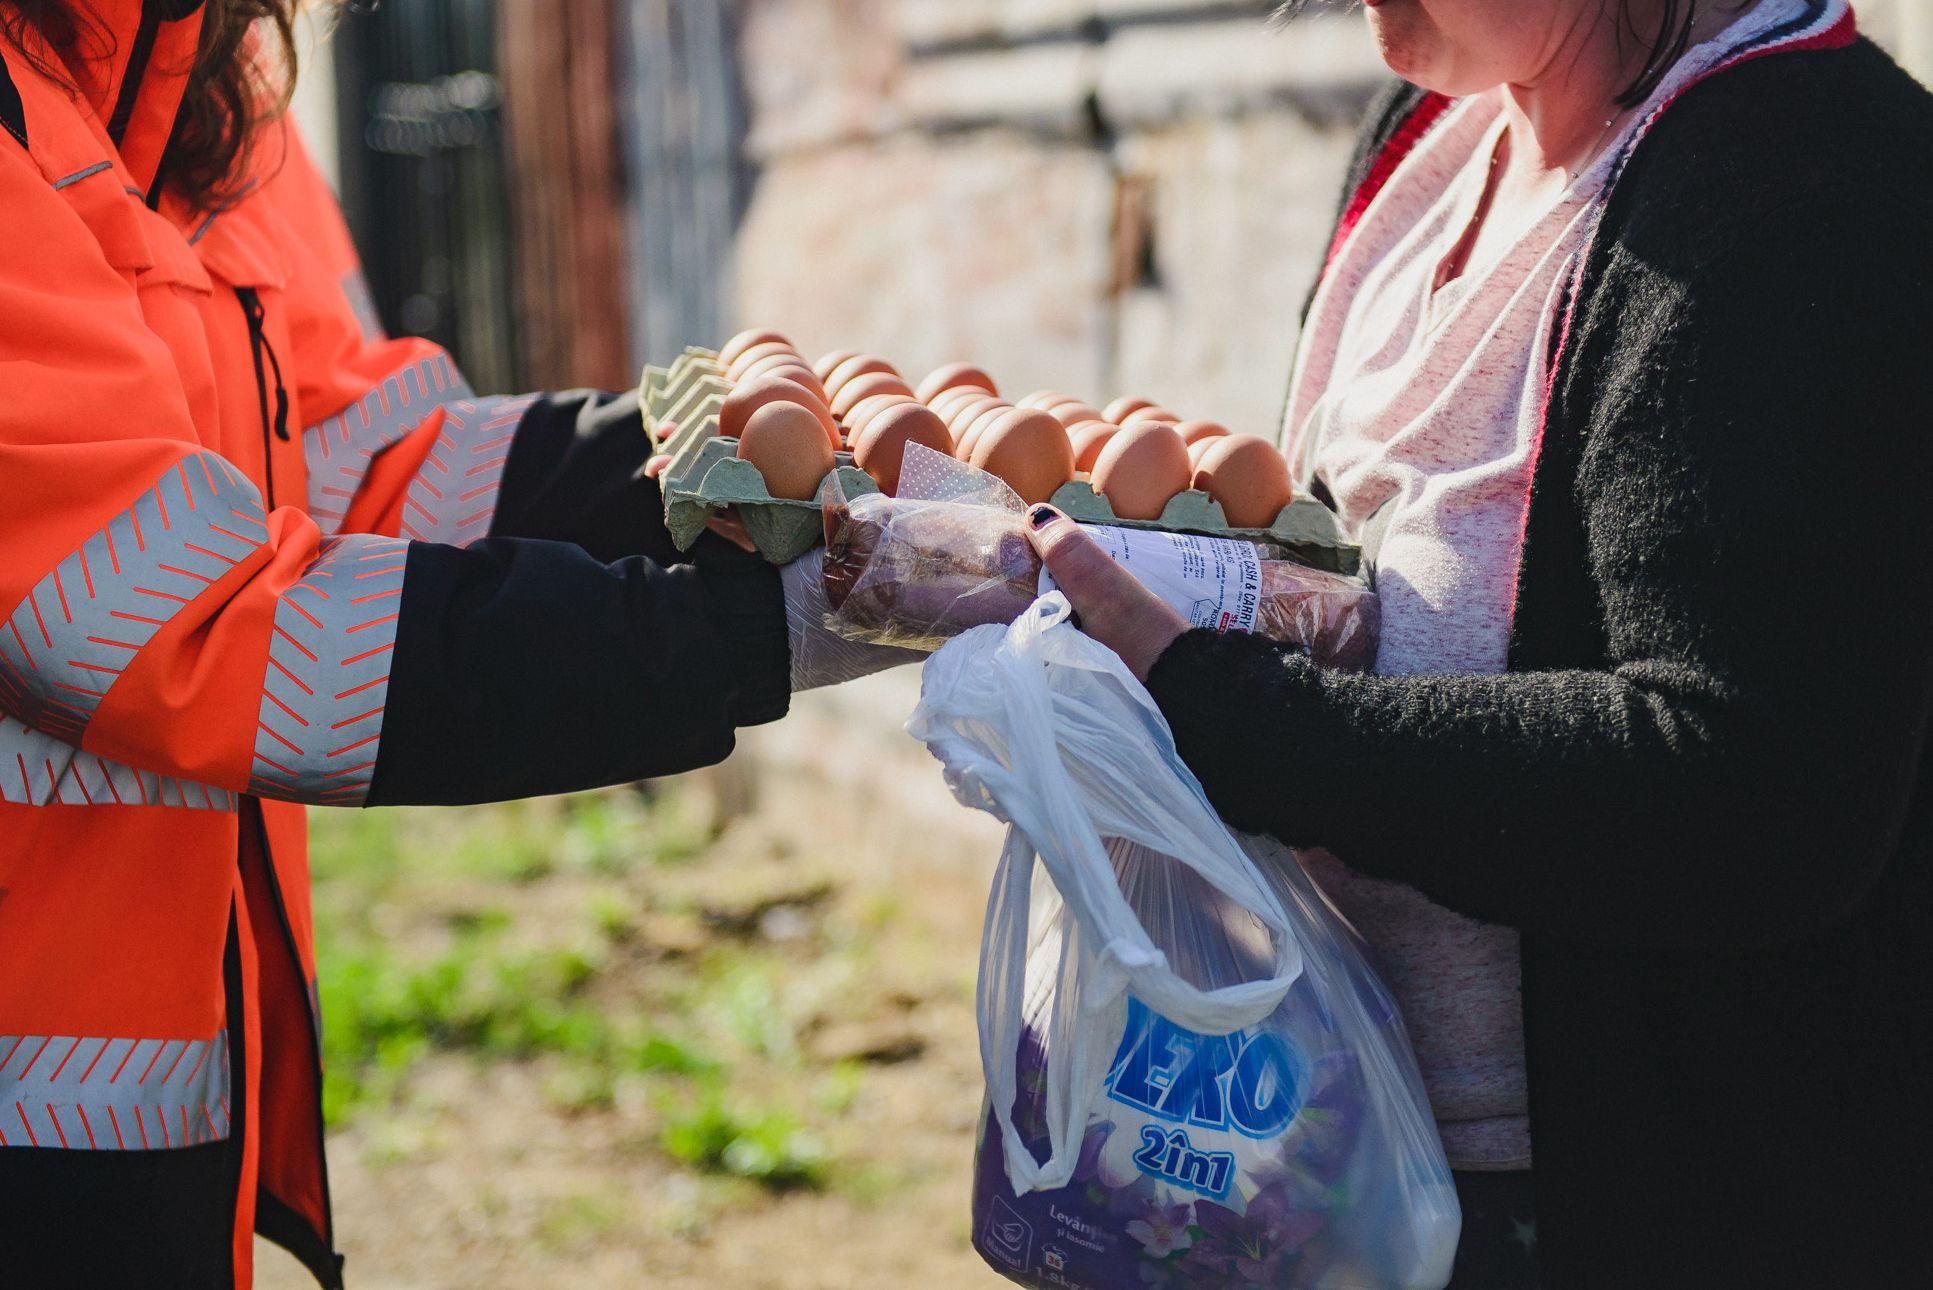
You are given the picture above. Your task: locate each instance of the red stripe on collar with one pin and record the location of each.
(1399, 145)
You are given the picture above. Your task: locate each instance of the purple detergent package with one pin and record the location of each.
(1293, 1153)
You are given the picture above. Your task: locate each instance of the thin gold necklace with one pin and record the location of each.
(1597, 143)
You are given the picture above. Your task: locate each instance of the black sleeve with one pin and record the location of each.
(576, 474)
(527, 667)
(1748, 489)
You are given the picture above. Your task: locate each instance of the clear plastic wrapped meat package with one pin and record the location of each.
(950, 553)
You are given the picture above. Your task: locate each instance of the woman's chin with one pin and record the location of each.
(1413, 49)
(1402, 36)
(1401, 53)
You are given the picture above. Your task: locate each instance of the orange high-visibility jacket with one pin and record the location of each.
(254, 554)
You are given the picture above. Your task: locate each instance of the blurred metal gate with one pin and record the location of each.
(423, 176)
(592, 236)
(682, 121)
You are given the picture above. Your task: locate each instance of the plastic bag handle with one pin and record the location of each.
(1037, 796)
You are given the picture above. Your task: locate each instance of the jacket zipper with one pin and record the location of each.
(310, 1010)
(258, 344)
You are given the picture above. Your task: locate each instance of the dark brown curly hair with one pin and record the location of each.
(240, 79)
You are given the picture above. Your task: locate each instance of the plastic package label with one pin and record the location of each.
(1213, 582)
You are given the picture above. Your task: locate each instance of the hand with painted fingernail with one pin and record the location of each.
(1112, 606)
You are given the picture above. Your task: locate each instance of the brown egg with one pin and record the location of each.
(787, 365)
(1247, 476)
(950, 401)
(881, 447)
(859, 388)
(1199, 446)
(1118, 411)
(1088, 438)
(737, 368)
(787, 444)
(746, 339)
(860, 417)
(746, 399)
(1028, 449)
(824, 365)
(970, 437)
(952, 377)
(1140, 468)
(1193, 432)
(964, 415)
(1150, 416)
(1073, 412)
(855, 367)
(1045, 399)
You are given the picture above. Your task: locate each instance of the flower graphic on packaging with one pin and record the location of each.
(1252, 1247)
(1162, 1229)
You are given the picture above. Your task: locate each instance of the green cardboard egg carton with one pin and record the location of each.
(706, 475)
(1306, 528)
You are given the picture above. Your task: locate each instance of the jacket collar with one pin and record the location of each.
(133, 74)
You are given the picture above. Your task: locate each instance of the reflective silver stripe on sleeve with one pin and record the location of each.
(454, 495)
(66, 181)
(340, 448)
(328, 674)
(63, 647)
(93, 1094)
(37, 769)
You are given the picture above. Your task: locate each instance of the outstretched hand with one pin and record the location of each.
(726, 525)
(1112, 605)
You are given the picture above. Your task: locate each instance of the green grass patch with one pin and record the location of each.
(386, 1005)
(767, 1144)
(515, 933)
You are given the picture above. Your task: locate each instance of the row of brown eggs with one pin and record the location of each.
(1134, 452)
(790, 416)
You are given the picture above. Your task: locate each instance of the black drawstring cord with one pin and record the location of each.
(281, 393)
(258, 344)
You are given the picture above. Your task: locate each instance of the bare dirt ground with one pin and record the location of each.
(820, 952)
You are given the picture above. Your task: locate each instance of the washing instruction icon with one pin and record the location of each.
(1009, 1237)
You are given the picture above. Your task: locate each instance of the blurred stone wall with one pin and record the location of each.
(1100, 196)
(1104, 196)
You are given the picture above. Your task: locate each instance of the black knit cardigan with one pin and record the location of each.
(1699, 789)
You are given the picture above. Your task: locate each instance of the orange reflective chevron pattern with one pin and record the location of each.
(198, 604)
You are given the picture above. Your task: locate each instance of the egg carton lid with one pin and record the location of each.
(669, 393)
(1306, 528)
(714, 477)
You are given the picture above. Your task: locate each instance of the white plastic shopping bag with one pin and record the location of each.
(1193, 1077)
